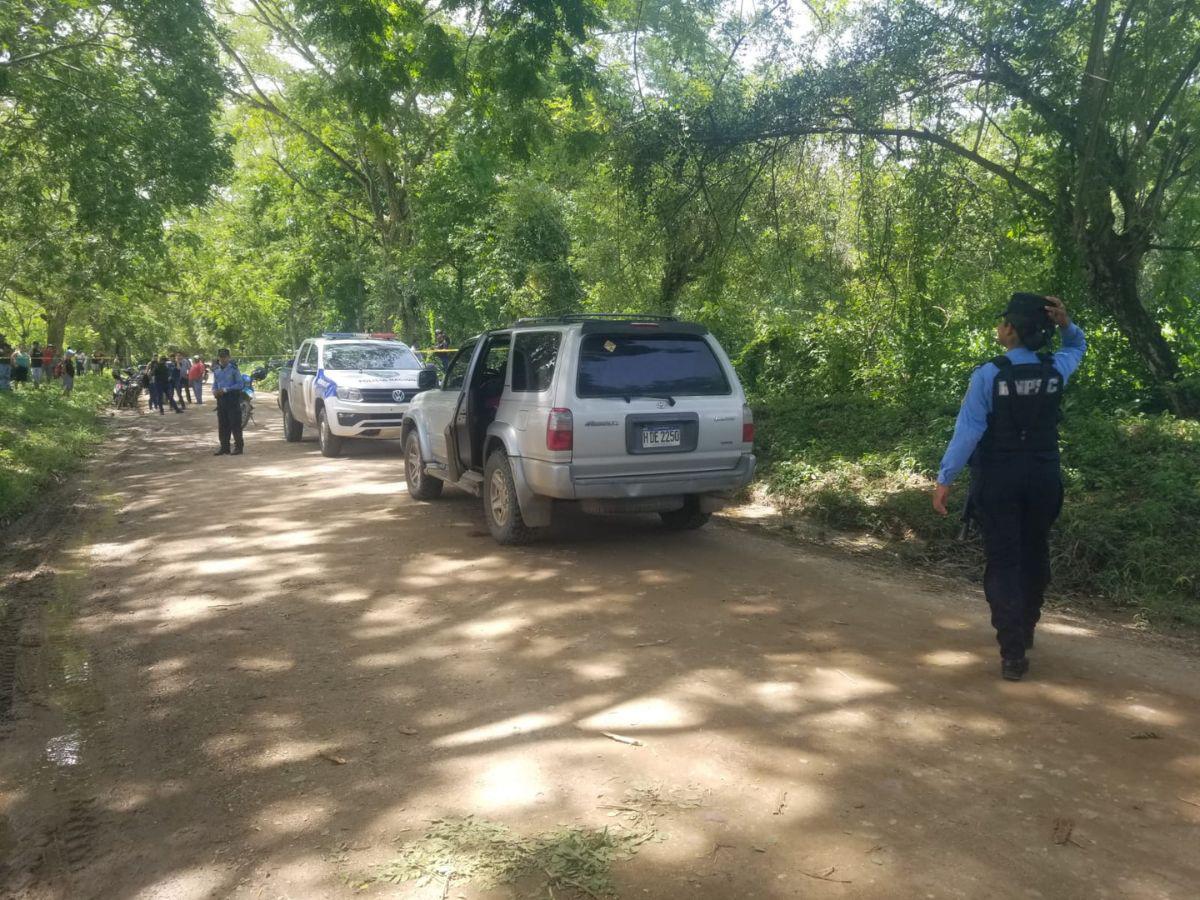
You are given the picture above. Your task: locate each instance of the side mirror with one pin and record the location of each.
(427, 379)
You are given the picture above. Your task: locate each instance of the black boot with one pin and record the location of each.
(1013, 669)
(223, 451)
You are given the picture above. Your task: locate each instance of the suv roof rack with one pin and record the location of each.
(594, 317)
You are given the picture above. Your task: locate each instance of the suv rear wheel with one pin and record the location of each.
(500, 506)
(331, 444)
(421, 486)
(686, 518)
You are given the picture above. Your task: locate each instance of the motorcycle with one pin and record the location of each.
(127, 388)
(247, 402)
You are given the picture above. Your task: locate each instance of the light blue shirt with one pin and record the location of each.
(227, 377)
(977, 404)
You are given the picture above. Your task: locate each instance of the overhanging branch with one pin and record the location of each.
(921, 134)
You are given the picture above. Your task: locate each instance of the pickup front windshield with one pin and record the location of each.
(665, 365)
(370, 356)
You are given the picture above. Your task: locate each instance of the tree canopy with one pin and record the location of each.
(845, 193)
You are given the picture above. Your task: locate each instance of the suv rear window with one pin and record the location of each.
(633, 365)
(534, 356)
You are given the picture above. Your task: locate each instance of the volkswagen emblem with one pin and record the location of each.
(398, 396)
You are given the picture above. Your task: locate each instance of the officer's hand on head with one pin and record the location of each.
(941, 493)
(1057, 312)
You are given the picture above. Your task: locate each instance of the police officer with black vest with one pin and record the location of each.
(1007, 430)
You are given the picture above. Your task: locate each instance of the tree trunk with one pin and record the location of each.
(56, 328)
(1112, 265)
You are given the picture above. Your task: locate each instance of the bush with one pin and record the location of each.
(44, 435)
(269, 382)
(1129, 528)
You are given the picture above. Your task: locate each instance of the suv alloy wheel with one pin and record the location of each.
(420, 485)
(500, 506)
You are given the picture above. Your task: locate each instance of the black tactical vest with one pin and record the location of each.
(1026, 400)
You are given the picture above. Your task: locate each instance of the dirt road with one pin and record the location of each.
(259, 677)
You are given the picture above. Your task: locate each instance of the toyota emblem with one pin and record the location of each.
(398, 396)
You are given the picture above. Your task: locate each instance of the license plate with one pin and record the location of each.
(654, 438)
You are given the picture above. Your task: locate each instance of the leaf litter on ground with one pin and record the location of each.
(570, 859)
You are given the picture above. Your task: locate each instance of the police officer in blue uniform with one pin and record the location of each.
(227, 388)
(1007, 430)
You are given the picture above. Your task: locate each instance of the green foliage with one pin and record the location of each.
(107, 128)
(44, 435)
(1130, 522)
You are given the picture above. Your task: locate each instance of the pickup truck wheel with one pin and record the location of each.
(331, 444)
(500, 506)
(688, 518)
(420, 485)
(292, 430)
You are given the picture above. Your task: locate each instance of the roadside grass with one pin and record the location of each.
(1130, 527)
(44, 436)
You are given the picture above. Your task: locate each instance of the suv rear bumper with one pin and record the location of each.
(558, 480)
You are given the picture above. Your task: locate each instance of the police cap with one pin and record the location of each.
(1025, 309)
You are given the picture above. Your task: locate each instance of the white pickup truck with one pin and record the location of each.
(348, 386)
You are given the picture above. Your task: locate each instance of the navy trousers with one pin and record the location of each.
(1018, 501)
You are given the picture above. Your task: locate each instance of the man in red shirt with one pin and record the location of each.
(195, 377)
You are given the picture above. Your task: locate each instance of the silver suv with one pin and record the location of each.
(620, 414)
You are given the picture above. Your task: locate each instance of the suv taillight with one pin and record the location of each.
(747, 424)
(560, 430)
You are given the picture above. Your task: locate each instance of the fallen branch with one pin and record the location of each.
(825, 876)
(621, 739)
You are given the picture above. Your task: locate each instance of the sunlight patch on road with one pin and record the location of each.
(951, 658)
(289, 540)
(256, 664)
(647, 712)
(838, 684)
(598, 669)
(225, 565)
(196, 883)
(522, 724)
(779, 696)
(1142, 713)
(1068, 696)
(193, 607)
(953, 624)
(1065, 629)
(657, 576)
(509, 784)
(492, 628)
(1190, 766)
(842, 720)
